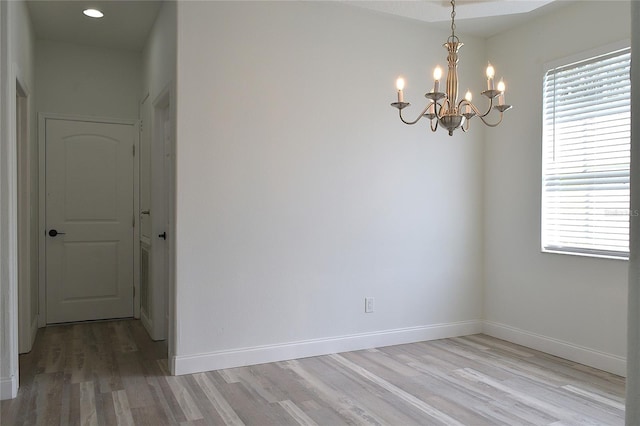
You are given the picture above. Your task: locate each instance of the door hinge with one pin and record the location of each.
(134, 150)
(133, 221)
(134, 292)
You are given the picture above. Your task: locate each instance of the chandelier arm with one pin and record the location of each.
(433, 128)
(481, 116)
(475, 109)
(488, 110)
(417, 119)
(490, 124)
(465, 102)
(466, 125)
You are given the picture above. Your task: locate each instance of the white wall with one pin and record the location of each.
(24, 61)
(89, 81)
(299, 192)
(6, 321)
(158, 75)
(159, 53)
(571, 306)
(23, 65)
(632, 411)
(159, 79)
(17, 63)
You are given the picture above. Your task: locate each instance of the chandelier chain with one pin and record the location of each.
(453, 18)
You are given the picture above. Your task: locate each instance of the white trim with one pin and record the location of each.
(136, 222)
(188, 364)
(160, 204)
(8, 387)
(140, 238)
(167, 96)
(42, 279)
(42, 223)
(601, 360)
(581, 56)
(23, 182)
(87, 118)
(8, 208)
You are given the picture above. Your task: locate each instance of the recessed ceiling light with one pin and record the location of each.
(93, 13)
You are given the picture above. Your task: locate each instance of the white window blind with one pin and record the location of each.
(586, 155)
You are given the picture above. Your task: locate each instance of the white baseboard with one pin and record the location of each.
(601, 360)
(8, 387)
(188, 364)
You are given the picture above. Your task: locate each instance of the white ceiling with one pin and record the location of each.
(483, 18)
(125, 25)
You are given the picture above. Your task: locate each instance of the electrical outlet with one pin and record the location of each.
(368, 304)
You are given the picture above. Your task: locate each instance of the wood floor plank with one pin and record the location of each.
(74, 417)
(150, 416)
(112, 373)
(421, 405)
(122, 408)
(88, 411)
(184, 399)
(208, 411)
(177, 415)
(220, 404)
(253, 410)
(364, 400)
(450, 395)
(297, 413)
(160, 401)
(609, 400)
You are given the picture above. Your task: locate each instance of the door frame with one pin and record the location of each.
(27, 319)
(145, 128)
(42, 269)
(163, 101)
(161, 271)
(10, 76)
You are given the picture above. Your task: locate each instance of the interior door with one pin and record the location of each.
(89, 220)
(160, 188)
(146, 312)
(168, 202)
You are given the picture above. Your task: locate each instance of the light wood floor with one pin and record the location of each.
(111, 373)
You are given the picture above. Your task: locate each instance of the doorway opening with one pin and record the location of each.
(156, 198)
(77, 76)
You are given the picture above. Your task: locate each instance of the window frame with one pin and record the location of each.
(548, 66)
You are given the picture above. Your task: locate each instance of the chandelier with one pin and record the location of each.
(443, 107)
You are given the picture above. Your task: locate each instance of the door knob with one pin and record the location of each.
(53, 233)
(163, 236)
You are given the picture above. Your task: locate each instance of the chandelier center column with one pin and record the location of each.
(452, 47)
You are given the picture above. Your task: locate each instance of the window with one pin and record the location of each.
(586, 155)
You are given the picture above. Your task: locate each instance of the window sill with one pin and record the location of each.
(624, 257)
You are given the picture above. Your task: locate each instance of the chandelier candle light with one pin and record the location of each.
(444, 106)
